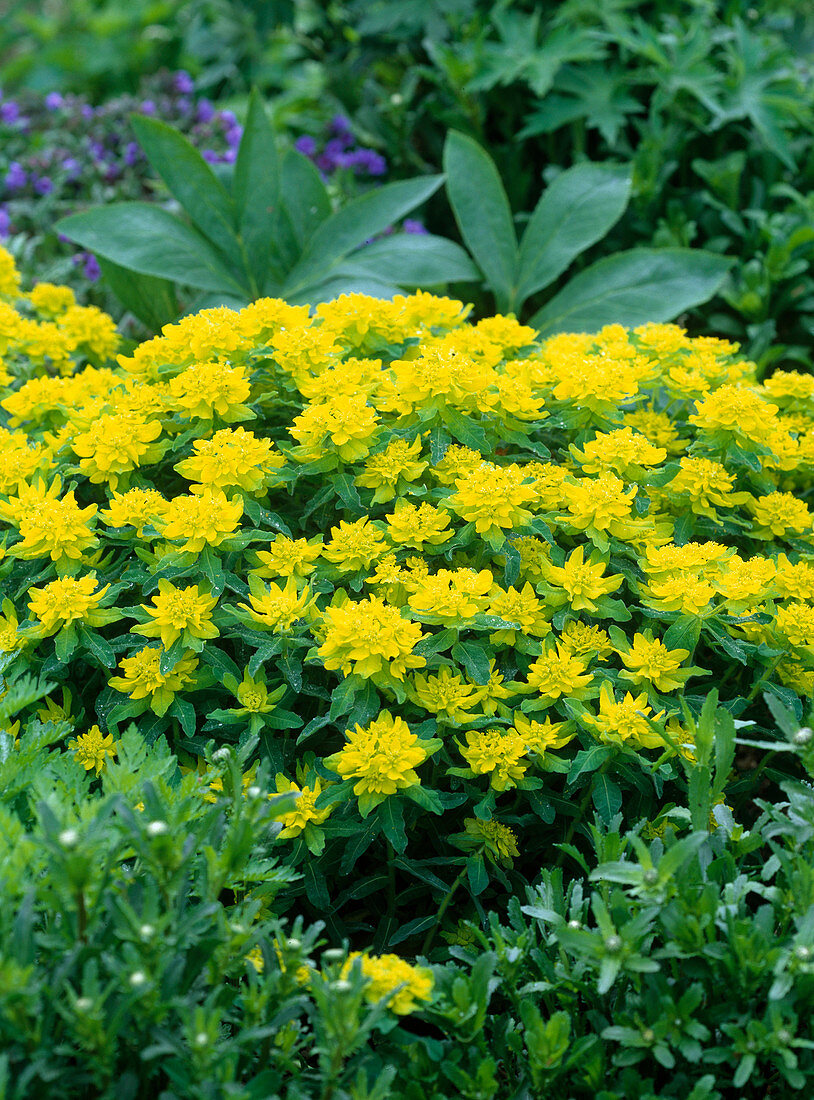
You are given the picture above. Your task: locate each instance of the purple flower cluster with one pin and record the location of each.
(338, 150)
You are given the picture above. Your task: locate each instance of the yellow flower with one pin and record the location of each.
(92, 749)
(742, 583)
(137, 508)
(795, 579)
(212, 388)
(494, 499)
(115, 444)
(53, 527)
(142, 677)
(779, 515)
(413, 526)
(707, 484)
(583, 640)
(682, 592)
(288, 557)
(649, 661)
(10, 638)
(557, 672)
(387, 471)
(795, 623)
(347, 421)
(447, 695)
(498, 751)
(735, 410)
(540, 737)
(624, 451)
(9, 275)
(623, 722)
(601, 504)
(178, 612)
(200, 520)
(371, 639)
(382, 757)
(68, 600)
(232, 458)
(20, 460)
(583, 583)
(534, 557)
(304, 813)
(492, 838)
(521, 607)
(451, 596)
(695, 557)
(404, 986)
(354, 545)
(277, 608)
(49, 299)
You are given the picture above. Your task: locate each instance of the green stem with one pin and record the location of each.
(583, 805)
(439, 916)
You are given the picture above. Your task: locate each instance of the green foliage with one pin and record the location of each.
(259, 239)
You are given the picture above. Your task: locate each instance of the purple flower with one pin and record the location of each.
(367, 160)
(131, 152)
(53, 101)
(206, 112)
(183, 82)
(147, 107)
(87, 111)
(97, 149)
(9, 111)
(210, 156)
(15, 177)
(228, 118)
(43, 185)
(92, 269)
(306, 145)
(233, 135)
(5, 222)
(229, 157)
(183, 105)
(72, 168)
(411, 225)
(340, 124)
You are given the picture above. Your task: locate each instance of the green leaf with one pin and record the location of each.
(632, 288)
(607, 797)
(575, 211)
(96, 644)
(190, 180)
(351, 226)
(391, 814)
(149, 240)
(304, 196)
(150, 299)
(588, 760)
(256, 190)
(412, 260)
(477, 874)
(483, 214)
(474, 658)
(412, 928)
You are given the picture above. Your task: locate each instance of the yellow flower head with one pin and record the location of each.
(735, 410)
(178, 612)
(541, 737)
(212, 388)
(780, 515)
(625, 721)
(494, 498)
(346, 424)
(276, 608)
(519, 606)
(196, 521)
(451, 596)
(558, 672)
(585, 641)
(288, 557)
(142, 677)
(647, 660)
(446, 694)
(411, 525)
(497, 751)
(137, 508)
(354, 545)
(305, 812)
(371, 639)
(232, 459)
(115, 444)
(68, 600)
(404, 986)
(53, 527)
(494, 839)
(583, 582)
(601, 504)
(624, 451)
(381, 757)
(92, 749)
(387, 471)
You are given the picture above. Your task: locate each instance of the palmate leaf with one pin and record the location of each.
(594, 93)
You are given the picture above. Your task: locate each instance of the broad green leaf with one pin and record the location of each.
(326, 291)
(351, 226)
(632, 288)
(190, 180)
(411, 260)
(575, 211)
(607, 797)
(483, 214)
(256, 190)
(304, 196)
(150, 299)
(151, 241)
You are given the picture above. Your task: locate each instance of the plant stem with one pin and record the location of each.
(439, 916)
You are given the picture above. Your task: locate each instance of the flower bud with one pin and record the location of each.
(803, 735)
(613, 944)
(157, 828)
(138, 978)
(68, 838)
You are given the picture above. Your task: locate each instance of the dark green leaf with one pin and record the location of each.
(607, 797)
(150, 299)
(482, 212)
(412, 260)
(256, 190)
(391, 814)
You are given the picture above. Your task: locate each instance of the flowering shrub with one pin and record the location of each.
(460, 586)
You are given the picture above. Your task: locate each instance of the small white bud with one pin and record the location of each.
(803, 735)
(802, 952)
(138, 978)
(146, 931)
(221, 754)
(396, 99)
(84, 1004)
(651, 876)
(157, 828)
(784, 1036)
(68, 838)
(575, 924)
(341, 986)
(254, 792)
(333, 954)
(201, 1039)
(293, 944)
(648, 1035)
(613, 944)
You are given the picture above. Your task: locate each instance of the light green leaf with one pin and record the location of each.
(256, 190)
(412, 260)
(304, 196)
(632, 288)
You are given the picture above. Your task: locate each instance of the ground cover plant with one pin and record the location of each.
(475, 619)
